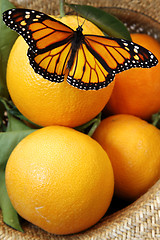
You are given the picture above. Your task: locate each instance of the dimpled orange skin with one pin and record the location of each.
(60, 180)
(137, 90)
(47, 103)
(133, 146)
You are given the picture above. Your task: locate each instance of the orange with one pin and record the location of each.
(60, 180)
(137, 90)
(48, 103)
(133, 146)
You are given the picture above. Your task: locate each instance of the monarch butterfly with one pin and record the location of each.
(57, 52)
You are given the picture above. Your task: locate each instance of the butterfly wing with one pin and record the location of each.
(51, 65)
(119, 54)
(49, 41)
(87, 72)
(100, 58)
(95, 62)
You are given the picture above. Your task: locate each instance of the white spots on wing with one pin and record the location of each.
(136, 47)
(27, 16)
(135, 50)
(91, 86)
(125, 44)
(38, 16)
(9, 12)
(27, 13)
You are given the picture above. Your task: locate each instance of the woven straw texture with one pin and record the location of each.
(141, 219)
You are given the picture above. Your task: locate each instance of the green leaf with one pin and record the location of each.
(15, 125)
(105, 21)
(10, 216)
(2, 110)
(90, 127)
(8, 141)
(156, 120)
(13, 111)
(16, 130)
(7, 38)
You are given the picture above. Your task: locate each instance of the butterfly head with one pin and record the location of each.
(90, 61)
(79, 29)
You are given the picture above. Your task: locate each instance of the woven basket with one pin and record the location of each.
(141, 219)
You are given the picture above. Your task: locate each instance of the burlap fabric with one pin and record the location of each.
(141, 219)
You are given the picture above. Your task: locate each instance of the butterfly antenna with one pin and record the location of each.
(77, 20)
(83, 22)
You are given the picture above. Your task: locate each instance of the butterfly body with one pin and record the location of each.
(78, 37)
(59, 53)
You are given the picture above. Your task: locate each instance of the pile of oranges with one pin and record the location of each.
(63, 180)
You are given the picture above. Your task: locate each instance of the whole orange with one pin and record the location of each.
(137, 90)
(60, 180)
(133, 146)
(49, 103)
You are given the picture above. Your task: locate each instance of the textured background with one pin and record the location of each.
(149, 7)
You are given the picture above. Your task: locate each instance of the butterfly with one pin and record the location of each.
(59, 53)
